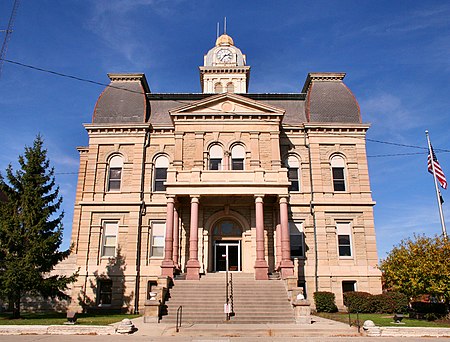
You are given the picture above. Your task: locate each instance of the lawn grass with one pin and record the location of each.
(55, 318)
(384, 320)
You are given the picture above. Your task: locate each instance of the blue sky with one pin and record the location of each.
(396, 55)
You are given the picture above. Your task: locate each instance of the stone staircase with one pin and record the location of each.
(262, 301)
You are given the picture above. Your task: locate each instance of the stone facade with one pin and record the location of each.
(195, 183)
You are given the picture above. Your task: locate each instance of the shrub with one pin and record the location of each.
(428, 311)
(390, 302)
(358, 302)
(325, 301)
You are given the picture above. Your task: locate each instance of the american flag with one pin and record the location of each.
(437, 169)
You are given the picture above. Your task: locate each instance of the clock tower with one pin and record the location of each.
(224, 68)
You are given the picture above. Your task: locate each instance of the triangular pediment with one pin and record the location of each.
(227, 103)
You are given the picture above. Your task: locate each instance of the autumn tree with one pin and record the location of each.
(31, 230)
(418, 266)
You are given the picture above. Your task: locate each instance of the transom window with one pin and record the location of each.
(227, 228)
(215, 157)
(237, 157)
(160, 174)
(338, 173)
(115, 173)
(293, 166)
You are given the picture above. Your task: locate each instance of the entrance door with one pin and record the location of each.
(227, 256)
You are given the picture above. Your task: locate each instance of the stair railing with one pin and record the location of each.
(231, 296)
(179, 317)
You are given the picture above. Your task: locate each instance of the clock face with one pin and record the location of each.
(224, 55)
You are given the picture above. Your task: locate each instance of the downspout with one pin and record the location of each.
(142, 212)
(313, 214)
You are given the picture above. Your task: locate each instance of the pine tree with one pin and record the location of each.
(31, 230)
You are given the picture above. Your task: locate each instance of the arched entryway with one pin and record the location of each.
(227, 247)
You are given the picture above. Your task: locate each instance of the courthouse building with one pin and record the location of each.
(187, 184)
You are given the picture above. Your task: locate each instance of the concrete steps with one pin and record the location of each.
(254, 301)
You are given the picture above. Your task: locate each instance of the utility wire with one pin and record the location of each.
(183, 102)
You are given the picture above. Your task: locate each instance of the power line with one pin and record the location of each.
(183, 102)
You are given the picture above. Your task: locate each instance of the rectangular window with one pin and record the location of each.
(237, 164)
(160, 179)
(104, 292)
(110, 230)
(293, 178)
(215, 164)
(348, 286)
(338, 179)
(344, 239)
(297, 239)
(115, 176)
(157, 240)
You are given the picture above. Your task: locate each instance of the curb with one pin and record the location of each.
(57, 330)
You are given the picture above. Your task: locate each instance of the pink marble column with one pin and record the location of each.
(176, 238)
(261, 267)
(193, 265)
(278, 247)
(167, 264)
(287, 266)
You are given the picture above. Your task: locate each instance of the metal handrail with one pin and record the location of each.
(231, 295)
(179, 315)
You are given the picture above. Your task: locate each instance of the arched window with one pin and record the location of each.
(115, 173)
(215, 157)
(160, 174)
(218, 88)
(293, 166)
(338, 173)
(230, 87)
(237, 157)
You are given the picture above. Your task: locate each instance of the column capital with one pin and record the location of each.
(170, 198)
(195, 198)
(259, 198)
(283, 199)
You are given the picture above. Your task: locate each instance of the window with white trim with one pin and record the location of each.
(109, 239)
(115, 173)
(237, 157)
(297, 239)
(344, 239)
(157, 239)
(293, 166)
(160, 173)
(215, 157)
(338, 173)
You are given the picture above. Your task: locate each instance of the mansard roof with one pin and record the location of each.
(324, 99)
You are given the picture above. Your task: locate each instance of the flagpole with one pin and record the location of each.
(441, 213)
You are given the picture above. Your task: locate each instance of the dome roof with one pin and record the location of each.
(224, 40)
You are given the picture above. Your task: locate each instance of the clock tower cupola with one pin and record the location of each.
(224, 68)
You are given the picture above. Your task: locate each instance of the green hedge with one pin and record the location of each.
(325, 301)
(428, 311)
(364, 302)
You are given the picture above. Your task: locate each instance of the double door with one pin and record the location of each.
(227, 255)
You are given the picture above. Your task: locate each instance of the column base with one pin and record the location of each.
(167, 268)
(261, 270)
(193, 270)
(287, 268)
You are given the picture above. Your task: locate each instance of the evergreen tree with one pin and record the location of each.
(31, 230)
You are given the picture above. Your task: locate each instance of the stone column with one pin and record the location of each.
(167, 264)
(193, 265)
(176, 238)
(278, 254)
(261, 267)
(287, 266)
